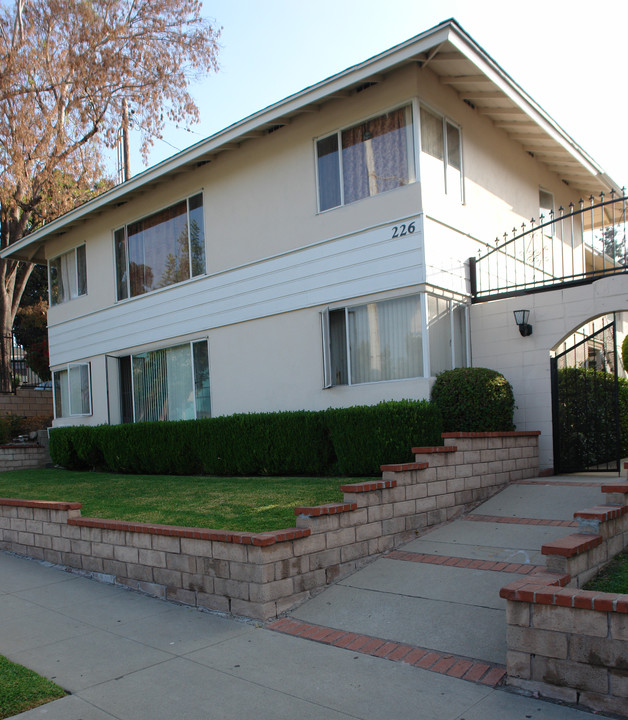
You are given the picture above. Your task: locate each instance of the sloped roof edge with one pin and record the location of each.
(30, 247)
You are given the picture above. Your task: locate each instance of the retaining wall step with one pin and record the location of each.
(319, 510)
(241, 538)
(434, 449)
(620, 487)
(572, 545)
(602, 512)
(404, 467)
(41, 504)
(368, 486)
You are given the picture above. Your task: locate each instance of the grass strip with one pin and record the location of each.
(253, 504)
(22, 689)
(612, 578)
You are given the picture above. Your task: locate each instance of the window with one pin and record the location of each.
(72, 390)
(161, 249)
(384, 340)
(68, 276)
(378, 341)
(441, 152)
(366, 159)
(167, 384)
(447, 329)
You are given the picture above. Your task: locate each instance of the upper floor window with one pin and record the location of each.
(441, 152)
(160, 250)
(68, 275)
(366, 159)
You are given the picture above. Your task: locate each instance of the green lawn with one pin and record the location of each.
(248, 504)
(613, 578)
(22, 689)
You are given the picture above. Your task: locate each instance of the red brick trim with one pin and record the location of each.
(519, 520)
(404, 467)
(619, 487)
(503, 433)
(368, 486)
(459, 562)
(443, 663)
(319, 510)
(22, 446)
(556, 483)
(533, 592)
(434, 449)
(602, 512)
(572, 545)
(41, 504)
(241, 538)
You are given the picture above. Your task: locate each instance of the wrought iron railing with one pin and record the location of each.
(14, 370)
(577, 245)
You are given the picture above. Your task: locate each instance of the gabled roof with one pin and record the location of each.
(446, 49)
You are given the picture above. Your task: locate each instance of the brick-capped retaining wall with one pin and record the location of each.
(564, 642)
(18, 456)
(261, 575)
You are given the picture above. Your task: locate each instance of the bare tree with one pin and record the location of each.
(67, 69)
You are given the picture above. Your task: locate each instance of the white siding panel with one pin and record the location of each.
(335, 270)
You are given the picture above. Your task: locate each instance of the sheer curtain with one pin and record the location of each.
(385, 340)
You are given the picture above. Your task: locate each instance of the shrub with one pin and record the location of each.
(365, 437)
(624, 354)
(474, 400)
(587, 423)
(353, 441)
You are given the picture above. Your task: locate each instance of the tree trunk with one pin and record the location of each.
(11, 290)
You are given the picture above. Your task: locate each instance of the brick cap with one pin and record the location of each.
(403, 467)
(41, 504)
(528, 590)
(602, 512)
(241, 538)
(571, 545)
(23, 446)
(619, 487)
(368, 486)
(501, 433)
(319, 510)
(434, 449)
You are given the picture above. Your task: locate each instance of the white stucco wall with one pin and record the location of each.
(525, 361)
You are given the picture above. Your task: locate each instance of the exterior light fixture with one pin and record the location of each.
(521, 318)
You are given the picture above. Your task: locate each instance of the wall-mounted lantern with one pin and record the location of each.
(521, 318)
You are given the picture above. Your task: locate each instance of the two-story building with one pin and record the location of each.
(314, 254)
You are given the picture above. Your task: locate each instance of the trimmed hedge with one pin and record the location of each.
(353, 441)
(474, 400)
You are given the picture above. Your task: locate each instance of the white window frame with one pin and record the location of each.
(425, 344)
(445, 121)
(75, 291)
(124, 228)
(68, 375)
(411, 146)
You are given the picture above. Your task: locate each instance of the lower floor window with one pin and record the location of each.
(167, 384)
(386, 340)
(72, 391)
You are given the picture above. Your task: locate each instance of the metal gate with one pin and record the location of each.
(585, 405)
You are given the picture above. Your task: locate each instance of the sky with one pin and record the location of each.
(569, 56)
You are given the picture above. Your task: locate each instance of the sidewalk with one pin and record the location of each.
(360, 649)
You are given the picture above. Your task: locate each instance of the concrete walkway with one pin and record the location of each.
(418, 634)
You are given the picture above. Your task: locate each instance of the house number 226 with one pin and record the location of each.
(401, 230)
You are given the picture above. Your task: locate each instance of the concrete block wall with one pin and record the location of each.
(262, 575)
(26, 402)
(564, 642)
(19, 456)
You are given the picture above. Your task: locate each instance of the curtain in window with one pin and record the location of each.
(62, 400)
(385, 340)
(201, 379)
(375, 156)
(180, 383)
(79, 390)
(150, 390)
(328, 172)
